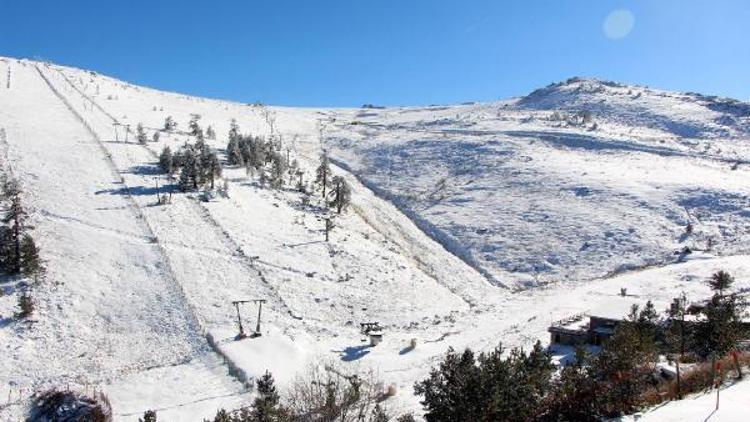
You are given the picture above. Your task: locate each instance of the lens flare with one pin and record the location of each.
(618, 24)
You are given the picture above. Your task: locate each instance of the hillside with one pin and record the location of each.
(575, 181)
(469, 225)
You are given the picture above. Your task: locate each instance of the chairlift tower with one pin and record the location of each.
(237, 304)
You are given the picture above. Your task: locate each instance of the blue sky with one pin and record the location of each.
(346, 53)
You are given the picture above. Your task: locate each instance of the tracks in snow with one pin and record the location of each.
(232, 246)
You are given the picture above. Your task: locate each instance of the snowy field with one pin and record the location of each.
(471, 225)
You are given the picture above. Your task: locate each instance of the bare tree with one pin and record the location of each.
(326, 393)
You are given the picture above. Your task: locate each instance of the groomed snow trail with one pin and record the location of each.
(109, 300)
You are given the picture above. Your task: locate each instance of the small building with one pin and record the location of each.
(582, 329)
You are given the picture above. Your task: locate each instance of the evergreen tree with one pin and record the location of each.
(148, 416)
(156, 136)
(210, 134)
(15, 218)
(278, 170)
(574, 393)
(234, 131)
(222, 416)
(266, 405)
(194, 127)
(341, 192)
(169, 124)
(25, 306)
(234, 153)
(166, 160)
(488, 388)
(623, 368)
(379, 414)
(677, 339)
(721, 327)
(140, 134)
(213, 167)
(720, 281)
(189, 171)
(31, 264)
(323, 173)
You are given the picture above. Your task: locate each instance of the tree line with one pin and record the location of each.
(19, 254)
(619, 380)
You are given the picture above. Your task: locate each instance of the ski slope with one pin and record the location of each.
(470, 225)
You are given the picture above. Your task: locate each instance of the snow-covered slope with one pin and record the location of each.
(449, 205)
(576, 181)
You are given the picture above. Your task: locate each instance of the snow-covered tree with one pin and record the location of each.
(210, 134)
(234, 153)
(15, 221)
(341, 194)
(140, 134)
(25, 306)
(169, 124)
(194, 127)
(166, 160)
(278, 170)
(323, 173)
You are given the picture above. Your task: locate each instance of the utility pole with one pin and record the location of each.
(8, 82)
(114, 125)
(127, 130)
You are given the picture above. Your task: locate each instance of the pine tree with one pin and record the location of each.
(194, 127)
(148, 416)
(31, 264)
(234, 130)
(156, 136)
(266, 405)
(213, 167)
(210, 134)
(278, 169)
(234, 154)
(341, 192)
(189, 171)
(141, 134)
(15, 218)
(677, 334)
(721, 327)
(25, 305)
(169, 124)
(222, 416)
(720, 281)
(323, 173)
(379, 414)
(166, 160)
(623, 368)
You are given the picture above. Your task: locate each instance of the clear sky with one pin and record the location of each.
(350, 52)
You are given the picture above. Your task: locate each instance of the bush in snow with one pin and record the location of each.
(210, 134)
(25, 306)
(148, 416)
(57, 405)
(169, 124)
(140, 134)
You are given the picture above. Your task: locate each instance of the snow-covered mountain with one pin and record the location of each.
(575, 181)
(470, 224)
